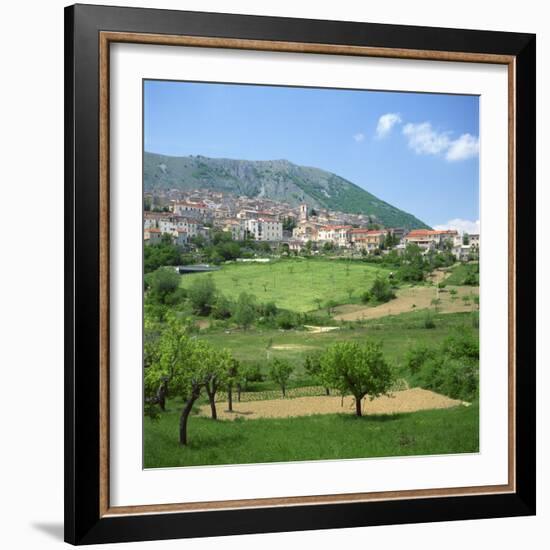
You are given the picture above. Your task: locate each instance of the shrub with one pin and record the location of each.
(268, 309)
(222, 308)
(451, 369)
(411, 273)
(162, 285)
(245, 309)
(452, 377)
(429, 320)
(416, 357)
(287, 320)
(381, 290)
(461, 344)
(202, 295)
(366, 297)
(252, 372)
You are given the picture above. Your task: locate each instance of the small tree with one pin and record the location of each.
(163, 287)
(312, 366)
(182, 363)
(357, 370)
(331, 304)
(247, 373)
(216, 367)
(328, 246)
(202, 295)
(231, 379)
(280, 372)
(245, 309)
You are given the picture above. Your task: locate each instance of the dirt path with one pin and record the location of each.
(405, 401)
(411, 298)
(317, 330)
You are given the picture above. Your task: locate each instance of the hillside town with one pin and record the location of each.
(184, 216)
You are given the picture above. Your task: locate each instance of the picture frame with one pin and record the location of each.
(90, 31)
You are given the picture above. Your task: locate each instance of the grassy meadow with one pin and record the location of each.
(298, 284)
(464, 274)
(397, 334)
(318, 437)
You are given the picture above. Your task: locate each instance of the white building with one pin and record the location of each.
(339, 235)
(235, 227)
(263, 229)
(180, 237)
(474, 240)
(152, 236)
(428, 238)
(170, 224)
(193, 209)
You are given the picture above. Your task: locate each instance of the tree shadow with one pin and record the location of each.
(373, 417)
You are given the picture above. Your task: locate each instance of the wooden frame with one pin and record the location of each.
(89, 516)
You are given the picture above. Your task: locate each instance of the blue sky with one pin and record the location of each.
(416, 151)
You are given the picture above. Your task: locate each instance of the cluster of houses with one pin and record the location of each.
(261, 220)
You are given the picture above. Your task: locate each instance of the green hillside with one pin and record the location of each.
(279, 180)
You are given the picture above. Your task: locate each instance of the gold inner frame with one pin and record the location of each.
(105, 39)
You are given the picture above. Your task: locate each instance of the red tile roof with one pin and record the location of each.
(429, 233)
(363, 231)
(335, 227)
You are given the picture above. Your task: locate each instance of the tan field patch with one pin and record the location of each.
(411, 299)
(405, 401)
(317, 330)
(202, 323)
(291, 347)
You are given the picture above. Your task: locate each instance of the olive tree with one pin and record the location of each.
(312, 366)
(219, 372)
(202, 295)
(183, 363)
(232, 378)
(245, 310)
(280, 372)
(357, 370)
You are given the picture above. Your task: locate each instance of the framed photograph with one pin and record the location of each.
(300, 274)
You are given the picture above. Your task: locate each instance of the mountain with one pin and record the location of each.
(278, 180)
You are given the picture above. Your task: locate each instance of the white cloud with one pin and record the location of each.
(465, 147)
(386, 123)
(424, 140)
(359, 137)
(462, 226)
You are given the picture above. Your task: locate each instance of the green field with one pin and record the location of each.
(396, 333)
(307, 285)
(297, 284)
(462, 273)
(319, 437)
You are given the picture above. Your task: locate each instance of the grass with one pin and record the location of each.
(397, 334)
(319, 437)
(461, 272)
(297, 284)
